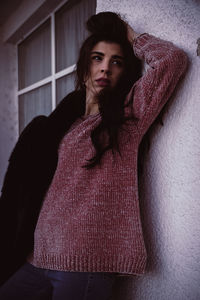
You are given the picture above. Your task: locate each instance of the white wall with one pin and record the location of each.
(170, 187)
(8, 103)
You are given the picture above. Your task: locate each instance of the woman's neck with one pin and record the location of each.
(92, 106)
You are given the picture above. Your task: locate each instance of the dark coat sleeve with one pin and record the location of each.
(13, 191)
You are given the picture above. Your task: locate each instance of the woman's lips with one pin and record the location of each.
(102, 82)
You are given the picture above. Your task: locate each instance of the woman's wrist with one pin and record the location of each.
(136, 35)
(131, 34)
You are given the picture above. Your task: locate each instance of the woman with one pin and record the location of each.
(75, 211)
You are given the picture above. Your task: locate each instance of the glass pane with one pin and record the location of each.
(64, 86)
(34, 56)
(36, 102)
(70, 30)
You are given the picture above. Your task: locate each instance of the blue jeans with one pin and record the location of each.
(31, 283)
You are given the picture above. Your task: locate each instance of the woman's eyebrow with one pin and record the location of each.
(97, 52)
(102, 54)
(118, 56)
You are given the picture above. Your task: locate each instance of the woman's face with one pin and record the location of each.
(106, 67)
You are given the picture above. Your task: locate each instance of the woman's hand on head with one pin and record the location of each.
(131, 34)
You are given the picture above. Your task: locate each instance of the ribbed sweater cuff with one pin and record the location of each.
(142, 44)
(114, 263)
(141, 40)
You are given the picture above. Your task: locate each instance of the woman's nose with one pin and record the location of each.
(105, 68)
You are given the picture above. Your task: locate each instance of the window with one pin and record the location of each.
(47, 57)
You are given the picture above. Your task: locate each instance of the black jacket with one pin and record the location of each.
(31, 168)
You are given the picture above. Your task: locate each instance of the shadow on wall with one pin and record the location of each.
(127, 288)
(198, 47)
(150, 220)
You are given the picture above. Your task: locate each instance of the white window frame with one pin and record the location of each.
(54, 75)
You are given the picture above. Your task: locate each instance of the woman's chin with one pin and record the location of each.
(103, 88)
(98, 90)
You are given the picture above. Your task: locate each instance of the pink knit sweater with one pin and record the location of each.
(90, 219)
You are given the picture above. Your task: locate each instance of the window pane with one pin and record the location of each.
(34, 56)
(64, 86)
(36, 102)
(70, 30)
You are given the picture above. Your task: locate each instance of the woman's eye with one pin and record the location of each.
(96, 57)
(117, 62)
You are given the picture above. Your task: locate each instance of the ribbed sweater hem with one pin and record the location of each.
(78, 263)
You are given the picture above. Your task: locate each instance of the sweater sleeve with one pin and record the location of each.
(167, 64)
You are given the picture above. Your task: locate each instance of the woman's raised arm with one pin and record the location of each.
(167, 64)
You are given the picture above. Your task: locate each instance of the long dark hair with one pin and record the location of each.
(108, 27)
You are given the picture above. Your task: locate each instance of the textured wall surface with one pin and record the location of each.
(169, 187)
(8, 103)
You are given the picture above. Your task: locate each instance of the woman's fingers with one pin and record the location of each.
(131, 34)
